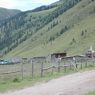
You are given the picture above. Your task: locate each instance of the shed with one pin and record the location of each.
(56, 56)
(38, 59)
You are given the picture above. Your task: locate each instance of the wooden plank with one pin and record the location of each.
(10, 72)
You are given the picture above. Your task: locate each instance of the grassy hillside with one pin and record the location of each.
(25, 25)
(7, 13)
(74, 33)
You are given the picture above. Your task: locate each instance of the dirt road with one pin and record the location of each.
(75, 84)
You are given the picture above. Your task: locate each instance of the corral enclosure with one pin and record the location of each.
(40, 69)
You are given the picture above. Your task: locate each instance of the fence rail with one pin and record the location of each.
(9, 72)
(33, 69)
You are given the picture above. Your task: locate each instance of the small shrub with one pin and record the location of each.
(15, 80)
(82, 33)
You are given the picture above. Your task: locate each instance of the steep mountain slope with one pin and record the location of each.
(74, 33)
(7, 13)
(21, 27)
(56, 4)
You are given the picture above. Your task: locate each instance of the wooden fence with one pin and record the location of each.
(25, 69)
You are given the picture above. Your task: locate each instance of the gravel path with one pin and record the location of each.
(75, 84)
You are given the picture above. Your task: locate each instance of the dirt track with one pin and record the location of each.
(75, 84)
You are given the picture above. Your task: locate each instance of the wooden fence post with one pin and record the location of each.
(22, 71)
(76, 65)
(70, 66)
(93, 62)
(32, 69)
(52, 70)
(65, 68)
(42, 69)
(86, 64)
(81, 65)
(58, 66)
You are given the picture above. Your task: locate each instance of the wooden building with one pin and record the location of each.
(55, 56)
(74, 58)
(38, 59)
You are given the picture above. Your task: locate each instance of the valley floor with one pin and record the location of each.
(75, 84)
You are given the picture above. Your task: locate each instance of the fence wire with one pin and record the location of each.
(35, 69)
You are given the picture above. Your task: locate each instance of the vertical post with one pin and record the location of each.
(70, 66)
(32, 68)
(93, 62)
(86, 64)
(81, 65)
(58, 66)
(42, 69)
(52, 70)
(76, 65)
(22, 70)
(92, 57)
(65, 68)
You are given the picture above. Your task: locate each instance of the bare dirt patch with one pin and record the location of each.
(75, 84)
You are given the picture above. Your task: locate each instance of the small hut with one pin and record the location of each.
(56, 56)
(38, 59)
